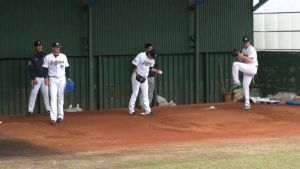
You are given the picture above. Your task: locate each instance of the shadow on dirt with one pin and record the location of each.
(20, 148)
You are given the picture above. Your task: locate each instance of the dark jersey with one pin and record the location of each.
(152, 74)
(35, 65)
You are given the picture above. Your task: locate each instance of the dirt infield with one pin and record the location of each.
(115, 130)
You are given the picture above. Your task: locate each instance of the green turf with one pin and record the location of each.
(267, 154)
(274, 160)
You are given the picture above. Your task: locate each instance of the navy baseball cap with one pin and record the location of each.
(246, 39)
(37, 43)
(56, 45)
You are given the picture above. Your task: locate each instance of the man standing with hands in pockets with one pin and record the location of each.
(35, 68)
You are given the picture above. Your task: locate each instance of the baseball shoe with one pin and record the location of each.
(29, 114)
(47, 112)
(60, 120)
(235, 86)
(148, 114)
(132, 114)
(53, 122)
(246, 108)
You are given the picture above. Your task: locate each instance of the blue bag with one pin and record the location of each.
(70, 86)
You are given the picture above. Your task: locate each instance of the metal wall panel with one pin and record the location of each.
(213, 91)
(123, 27)
(223, 23)
(79, 74)
(114, 79)
(177, 81)
(278, 72)
(23, 22)
(15, 86)
(113, 74)
(112, 86)
(120, 29)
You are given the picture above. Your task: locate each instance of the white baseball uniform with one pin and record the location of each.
(34, 91)
(35, 66)
(143, 64)
(249, 71)
(57, 83)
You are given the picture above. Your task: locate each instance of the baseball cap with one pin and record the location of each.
(37, 43)
(246, 39)
(56, 45)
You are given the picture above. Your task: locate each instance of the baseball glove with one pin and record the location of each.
(238, 55)
(140, 78)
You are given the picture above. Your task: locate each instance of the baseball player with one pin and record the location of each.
(151, 79)
(246, 62)
(35, 68)
(143, 61)
(56, 70)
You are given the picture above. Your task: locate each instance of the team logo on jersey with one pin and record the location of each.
(147, 63)
(56, 62)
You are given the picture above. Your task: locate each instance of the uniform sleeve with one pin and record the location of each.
(153, 63)
(46, 62)
(136, 60)
(253, 53)
(31, 68)
(66, 62)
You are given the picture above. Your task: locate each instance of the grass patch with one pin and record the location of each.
(274, 160)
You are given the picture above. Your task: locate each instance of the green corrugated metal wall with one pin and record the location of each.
(122, 27)
(23, 22)
(120, 30)
(113, 85)
(15, 86)
(223, 23)
(278, 72)
(113, 78)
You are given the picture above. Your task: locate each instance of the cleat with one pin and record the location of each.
(235, 86)
(132, 114)
(53, 122)
(148, 114)
(47, 112)
(60, 120)
(246, 108)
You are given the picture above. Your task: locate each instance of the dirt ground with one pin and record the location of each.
(115, 130)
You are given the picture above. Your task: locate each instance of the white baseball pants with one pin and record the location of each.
(57, 90)
(249, 72)
(136, 86)
(35, 90)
